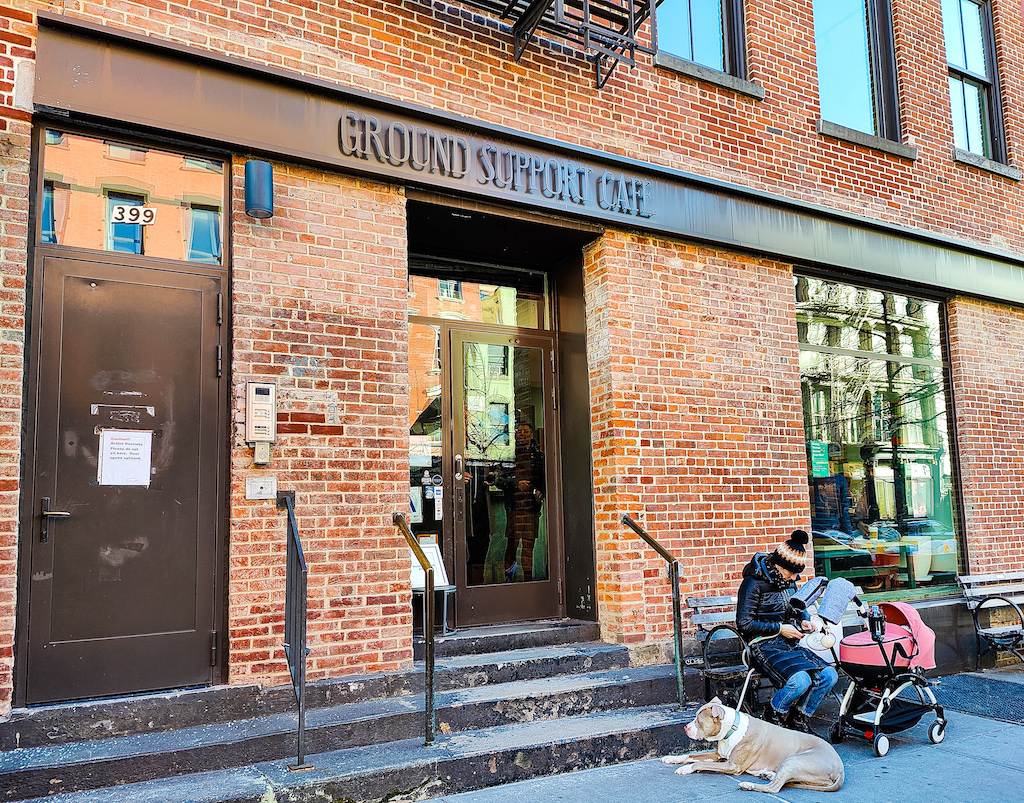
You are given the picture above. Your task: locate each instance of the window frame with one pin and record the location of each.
(197, 212)
(884, 87)
(734, 50)
(114, 234)
(992, 119)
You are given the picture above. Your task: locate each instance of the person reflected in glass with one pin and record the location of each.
(523, 489)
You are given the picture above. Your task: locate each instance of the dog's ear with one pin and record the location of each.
(715, 700)
(717, 711)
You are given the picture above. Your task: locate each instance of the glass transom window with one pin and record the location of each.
(880, 484)
(112, 196)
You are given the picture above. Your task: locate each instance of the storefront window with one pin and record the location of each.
(114, 196)
(880, 482)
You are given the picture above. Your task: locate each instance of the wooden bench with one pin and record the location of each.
(1001, 595)
(723, 659)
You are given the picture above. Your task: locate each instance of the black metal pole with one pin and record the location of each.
(428, 624)
(677, 614)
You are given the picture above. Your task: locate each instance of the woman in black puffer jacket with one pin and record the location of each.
(773, 629)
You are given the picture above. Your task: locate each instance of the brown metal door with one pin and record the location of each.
(127, 451)
(503, 478)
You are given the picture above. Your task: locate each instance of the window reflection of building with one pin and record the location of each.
(879, 466)
(87, 180)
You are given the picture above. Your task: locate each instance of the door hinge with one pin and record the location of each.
(213, 647)
(220, 361)
(220, 309)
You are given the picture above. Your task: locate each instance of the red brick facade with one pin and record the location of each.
(319, 300)
(985, 345)
(693, 361)
(698, 429)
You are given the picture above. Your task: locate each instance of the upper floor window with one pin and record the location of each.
(857, 65)
(48, 233)
(204, 234)
(124, 236)
(706, 32)
(972, 86)
(449, 288)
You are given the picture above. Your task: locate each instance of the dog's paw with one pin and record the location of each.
(675, 759)
(766, 775)
(686, 769)
(747, 786)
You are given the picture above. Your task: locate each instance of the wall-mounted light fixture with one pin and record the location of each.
(259, 189)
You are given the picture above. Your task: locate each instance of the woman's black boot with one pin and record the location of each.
(773, 717)
(797, 721)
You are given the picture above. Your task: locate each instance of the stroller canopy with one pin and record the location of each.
(900, 613)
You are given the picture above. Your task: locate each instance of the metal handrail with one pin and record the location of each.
(428, 623)
(677, 614)
(295, 621)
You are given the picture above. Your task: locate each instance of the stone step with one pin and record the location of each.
(96, 763)
(476, 669)
(516, 636)
(456, 762)
(151, 713)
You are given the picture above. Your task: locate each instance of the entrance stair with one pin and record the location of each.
(513, 702)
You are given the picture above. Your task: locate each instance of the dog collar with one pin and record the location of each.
(733, 735)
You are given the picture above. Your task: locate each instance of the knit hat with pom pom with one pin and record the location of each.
(791, 555)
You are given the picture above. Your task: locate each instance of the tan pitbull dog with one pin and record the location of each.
(746, 744)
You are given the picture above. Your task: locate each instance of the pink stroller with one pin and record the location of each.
(888, 691)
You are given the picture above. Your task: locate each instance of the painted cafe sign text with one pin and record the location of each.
(492, 167)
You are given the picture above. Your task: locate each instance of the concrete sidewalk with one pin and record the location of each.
(981, 760)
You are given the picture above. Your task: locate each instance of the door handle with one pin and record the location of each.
(458, 468)
(46, 514)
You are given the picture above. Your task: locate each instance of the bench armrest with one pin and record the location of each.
(1005, 602)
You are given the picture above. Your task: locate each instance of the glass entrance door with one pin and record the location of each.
(504, 497)
(482, 468)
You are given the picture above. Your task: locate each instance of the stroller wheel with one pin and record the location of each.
(835, 733)
(937, 731)
(881, 744)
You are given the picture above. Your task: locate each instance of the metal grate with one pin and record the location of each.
(983, 696)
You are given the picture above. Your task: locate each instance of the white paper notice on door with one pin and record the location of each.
(126, 456)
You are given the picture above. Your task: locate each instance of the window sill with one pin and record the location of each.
(708, 75)
(980, 162)
(855, 137)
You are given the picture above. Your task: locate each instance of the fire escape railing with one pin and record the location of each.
(609, 30)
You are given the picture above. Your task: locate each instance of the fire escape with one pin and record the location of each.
(605, 29)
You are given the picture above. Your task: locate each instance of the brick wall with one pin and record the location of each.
(985, 346)
(694, 365)
(16, 32)
(319, 304)
(445, 56)
(698, 429)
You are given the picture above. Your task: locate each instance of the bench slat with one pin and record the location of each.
(710, 602)
(992, 577)
(714, 618)
(985, 591)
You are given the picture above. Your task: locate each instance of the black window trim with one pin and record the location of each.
(883, 68)
(989, 84)
(882, 58)
(733, 42)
